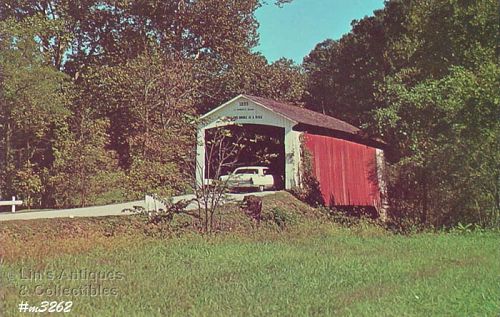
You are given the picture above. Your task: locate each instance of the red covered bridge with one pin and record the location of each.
(347, 165)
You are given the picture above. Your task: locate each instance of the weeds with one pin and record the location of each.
(283, 218)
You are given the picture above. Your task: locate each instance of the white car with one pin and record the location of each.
(250, 177)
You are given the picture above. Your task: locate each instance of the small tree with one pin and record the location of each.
(223, 148)
(222, 152)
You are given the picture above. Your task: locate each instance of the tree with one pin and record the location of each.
(249, 73)
(448, 132)
(441, 128)
(222, 152)
(32, 105)
(343, 75)
(442, 34)
(120, 79)
(420, 75)
(84, 171)
(91, 33)
(149, 102)
(27, 184)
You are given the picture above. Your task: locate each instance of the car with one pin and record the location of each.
(250, 177)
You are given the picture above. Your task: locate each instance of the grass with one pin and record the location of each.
(310, 267)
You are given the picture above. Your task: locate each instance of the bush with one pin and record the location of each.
(283, 218)
(159, 223)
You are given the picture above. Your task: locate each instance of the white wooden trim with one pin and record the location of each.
(208, 114)
(12, 203)
(220, 107)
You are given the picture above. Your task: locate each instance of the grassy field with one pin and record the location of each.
(311, 267)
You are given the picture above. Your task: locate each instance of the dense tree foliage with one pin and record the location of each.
(32, 106)
(448, 133)
(149, 100)
(423, 75)
(84, 172)
(99, 98)
(343, 74)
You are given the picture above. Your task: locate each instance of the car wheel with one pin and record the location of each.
(261, 188)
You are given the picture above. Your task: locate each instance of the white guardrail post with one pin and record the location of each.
(13, 203)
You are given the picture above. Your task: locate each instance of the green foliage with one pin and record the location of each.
(28, 185)
(422, 75)
(110, 32)
(159, 222)
(149, 102)
(83, 169)
(283, 218)
(249, 73)
(448, 136)
(460, 228)
(443, 34)
(149, 176)
(141, 72)
(343, 74)
(32, 104)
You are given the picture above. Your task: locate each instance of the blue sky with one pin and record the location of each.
(294, 30)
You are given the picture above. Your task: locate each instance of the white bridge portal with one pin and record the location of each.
(243, 110)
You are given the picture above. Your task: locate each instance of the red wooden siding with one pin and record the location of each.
(345, 170)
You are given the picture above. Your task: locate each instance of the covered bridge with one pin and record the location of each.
(347, 165)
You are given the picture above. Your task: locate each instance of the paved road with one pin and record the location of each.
(98, 211)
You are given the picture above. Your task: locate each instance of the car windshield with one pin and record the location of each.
(246, 171)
